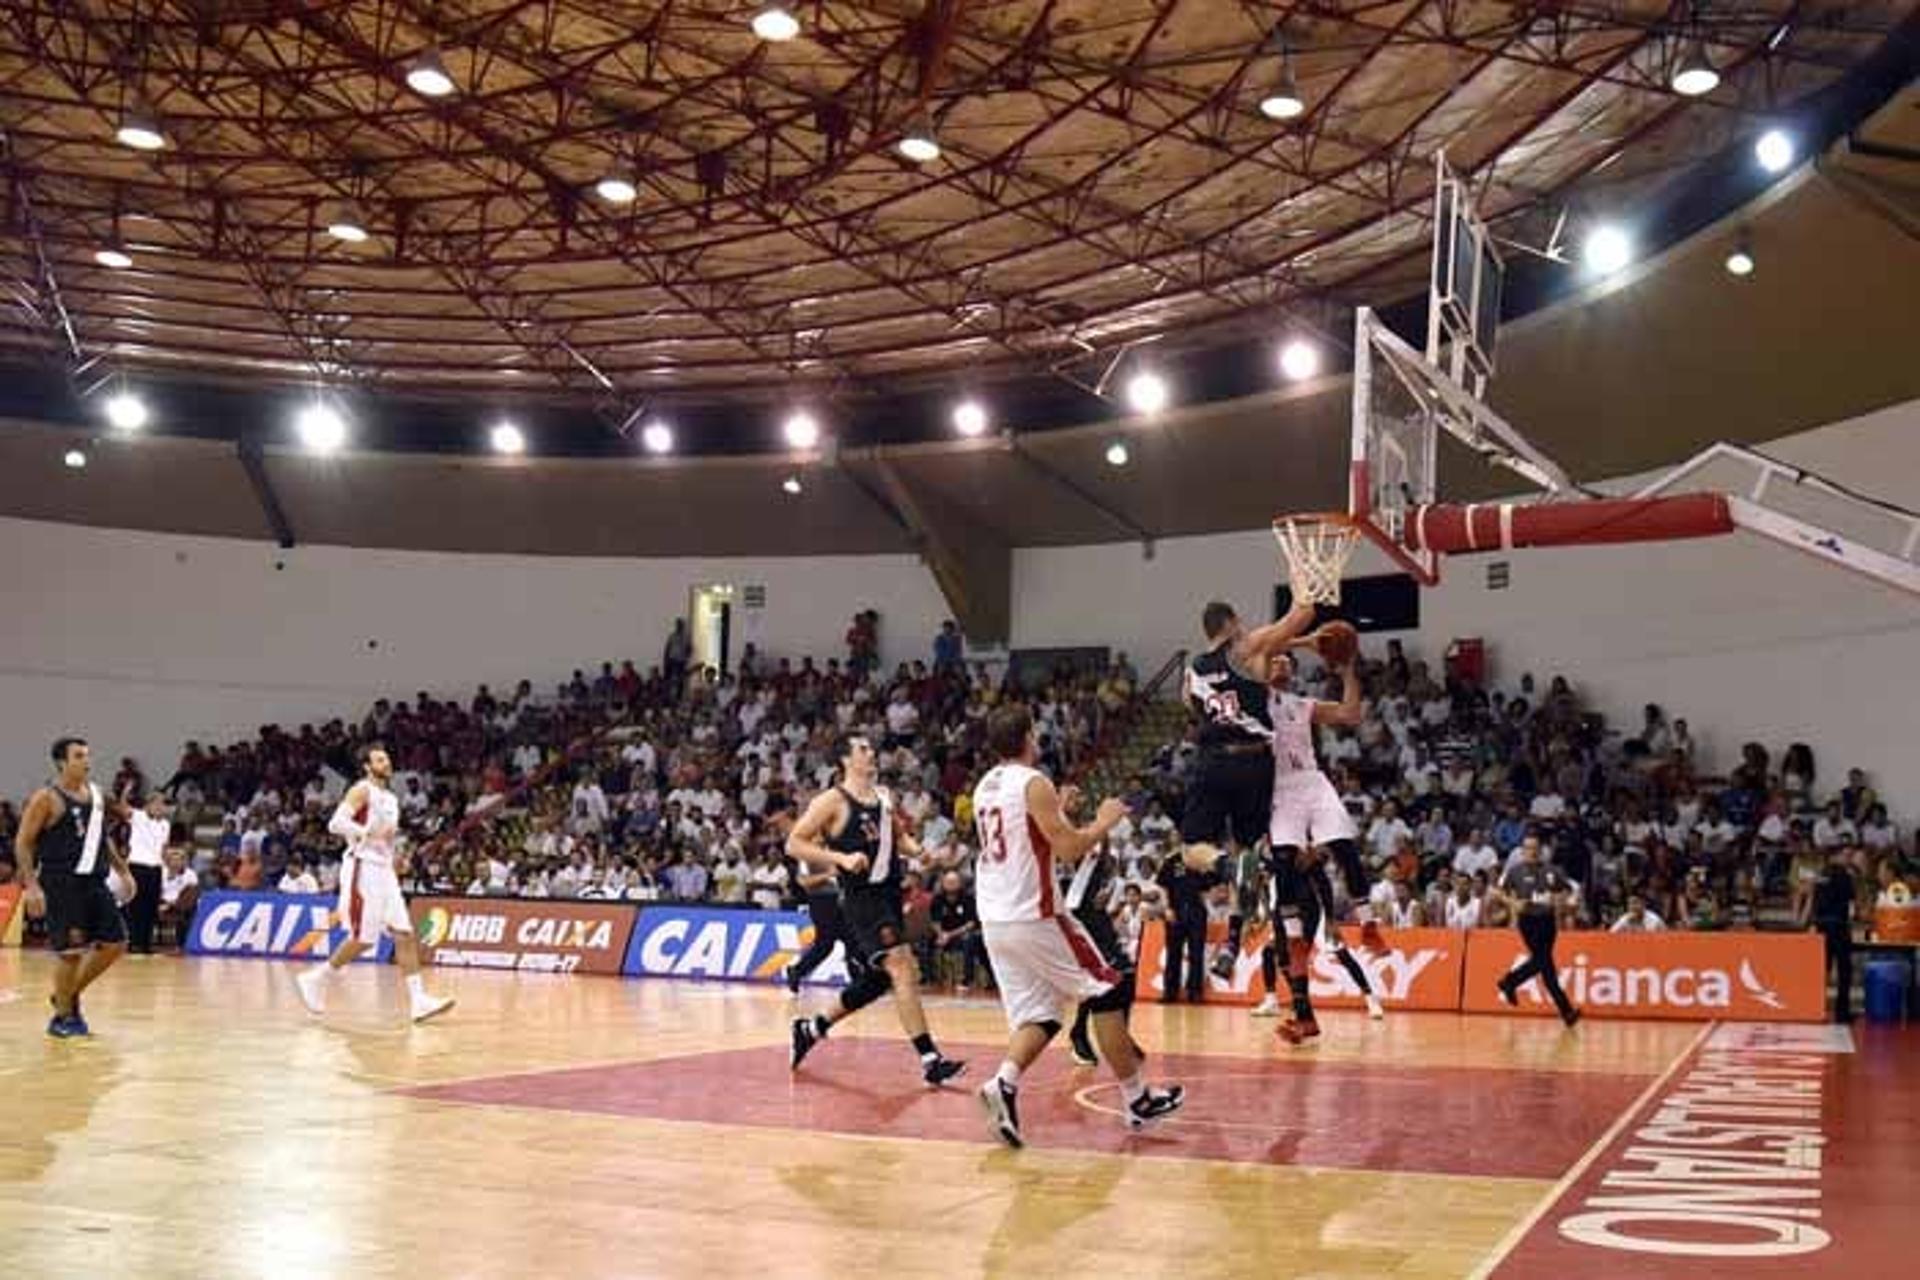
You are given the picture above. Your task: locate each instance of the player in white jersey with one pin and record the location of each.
(368, 819)
(1042, 957)
(1308, 817)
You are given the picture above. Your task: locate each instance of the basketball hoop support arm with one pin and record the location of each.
(1465, 418)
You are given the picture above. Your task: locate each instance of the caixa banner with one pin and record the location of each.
(701, 942)
(233, 923)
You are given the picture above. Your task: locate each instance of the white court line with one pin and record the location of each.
(1511, 1241)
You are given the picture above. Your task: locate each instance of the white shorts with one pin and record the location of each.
(1307, 811)
(370, 900)
(1045, 968)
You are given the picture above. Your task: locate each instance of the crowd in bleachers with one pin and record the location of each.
(1445, 778)
(681, 784)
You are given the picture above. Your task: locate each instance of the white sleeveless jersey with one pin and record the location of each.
(379, 812)
(1014, 877)
(1292, 734)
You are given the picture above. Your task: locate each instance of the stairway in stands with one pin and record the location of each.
(1153, 719)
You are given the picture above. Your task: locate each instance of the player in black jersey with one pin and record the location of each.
(854, 830)
(64, 853)
(823, 910)
(1231, 799)
(1086, 898)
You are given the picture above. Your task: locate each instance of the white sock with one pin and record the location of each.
(1133, 1088)
(416, 986)
(1008, 1074)
(322, 971)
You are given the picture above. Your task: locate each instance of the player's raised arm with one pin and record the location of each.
(1068, 842)
(1348, 710)
(804, 841)
(1276, 636)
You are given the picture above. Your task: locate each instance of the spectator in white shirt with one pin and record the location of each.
(1477, 854)
(1831, 830)
(1717, 835)
(770, 881)
(179, 895)
(590, 809)
(297, 879)
(1384, 837)
(1548, 806)
(1876, 833)
(1463, 909)
(1638, 919)
(903, 719)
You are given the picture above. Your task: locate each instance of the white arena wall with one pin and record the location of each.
(1743, 638)
(142, 641)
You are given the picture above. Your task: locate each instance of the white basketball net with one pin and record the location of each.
(1317, 550)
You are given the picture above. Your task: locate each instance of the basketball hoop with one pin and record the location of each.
(1317, 547)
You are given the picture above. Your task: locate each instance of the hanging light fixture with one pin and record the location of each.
(140, 130)
(775, 22)
(428, 76)
(1695, 75)
(1283, 101)
(918, 143)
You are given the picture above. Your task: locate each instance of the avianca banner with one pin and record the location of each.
(1421, 970)
(701, 942)
(234, 923)
(1749, 977)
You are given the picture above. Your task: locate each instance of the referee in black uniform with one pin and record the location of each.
(1533, 889)
(1833, 899)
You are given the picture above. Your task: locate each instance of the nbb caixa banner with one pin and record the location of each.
(699, 942)
(232, 923)
(541, 936)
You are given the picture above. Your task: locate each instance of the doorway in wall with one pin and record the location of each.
(712, 613)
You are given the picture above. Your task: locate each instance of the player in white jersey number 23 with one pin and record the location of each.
(1044, 961)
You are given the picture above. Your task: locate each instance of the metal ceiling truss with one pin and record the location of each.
(1106, 178)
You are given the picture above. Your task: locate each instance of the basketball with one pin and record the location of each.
(1337, 643)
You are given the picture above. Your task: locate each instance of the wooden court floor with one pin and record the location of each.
(585, 1127)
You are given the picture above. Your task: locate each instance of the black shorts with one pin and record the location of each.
(823, 910)
(871, 927)
(1099, 927)
(80, 911)
(1231, 798)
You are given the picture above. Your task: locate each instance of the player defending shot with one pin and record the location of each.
(63, 853)
(1228, 803)
(368, 819)
(1042, 958)
(854, 830)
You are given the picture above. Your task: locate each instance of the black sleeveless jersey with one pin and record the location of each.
(1232, 706)
(862, 835)
(63, 841)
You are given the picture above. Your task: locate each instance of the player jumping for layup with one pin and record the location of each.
(1042, 958)
(854, 829)
(1307, 812)
(368, 819)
